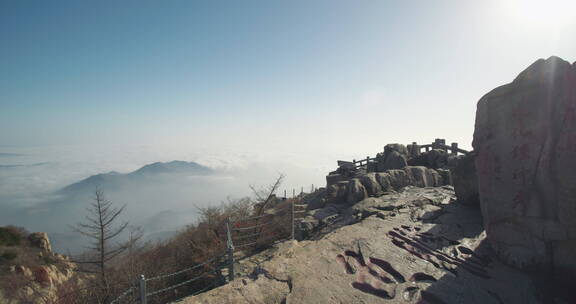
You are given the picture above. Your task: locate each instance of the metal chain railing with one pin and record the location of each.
(251, 227)
(143, 293)
(123, 295)
(164, 276)
(179, 284)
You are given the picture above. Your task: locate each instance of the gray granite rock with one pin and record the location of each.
(438, 257)
(525, 140)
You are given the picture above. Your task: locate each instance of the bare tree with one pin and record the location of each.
(100, 227)
(264, 196)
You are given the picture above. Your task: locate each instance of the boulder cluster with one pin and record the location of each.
(377, 183)
(395, 168)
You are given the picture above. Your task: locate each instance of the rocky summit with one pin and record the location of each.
(404, 247)
(444, 225)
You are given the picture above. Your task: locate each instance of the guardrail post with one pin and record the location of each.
(436, 143)
(292, 219)
(454, 148)
(142, 289)
(230, 249)
(414, 149)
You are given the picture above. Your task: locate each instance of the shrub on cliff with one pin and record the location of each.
(11, 236)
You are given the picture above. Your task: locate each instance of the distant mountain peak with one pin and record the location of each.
(113, 180)
(175, 166)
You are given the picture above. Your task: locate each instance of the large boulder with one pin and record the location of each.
(424, 177)
(333, 178)
(465, 181)
(395, 160)
(40, 240)
(384, 179)
(446, 176)
(371, 184)
(316, 199)
(400, 148)
(394, 157)
(336, 193)
(355, 191)
(436, 158)
(399, 179)
(525, 140)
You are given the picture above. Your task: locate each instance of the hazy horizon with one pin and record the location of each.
(255, 88)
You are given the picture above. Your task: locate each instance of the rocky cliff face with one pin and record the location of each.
(34, 273)
(525, 141)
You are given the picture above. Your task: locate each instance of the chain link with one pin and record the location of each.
(252, 227)
(177, 285)
(183, 270)
(124, 294)
(247, 236)
(214, 269)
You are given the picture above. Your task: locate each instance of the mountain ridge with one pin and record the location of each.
(113, 179)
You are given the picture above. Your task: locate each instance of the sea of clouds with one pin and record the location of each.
(31, 177)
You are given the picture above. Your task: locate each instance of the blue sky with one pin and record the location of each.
(340, 75)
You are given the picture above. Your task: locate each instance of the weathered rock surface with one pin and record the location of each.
(393, 157)
(40, 240)
(374, 184)
(435, 159)
(371, 184)
(355, 191)
(465, 181)
(336, 192)
(316, 200)
(38, 280)
(525, 140)
(415, 246)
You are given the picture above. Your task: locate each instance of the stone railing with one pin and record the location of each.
(414, 150)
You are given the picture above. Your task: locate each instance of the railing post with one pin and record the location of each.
(414, 149)
(454, 148)
(230, 249)
(436, 143)
(142, 289)
(292, 219)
